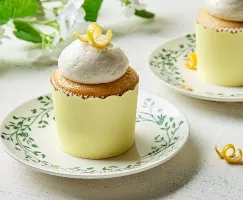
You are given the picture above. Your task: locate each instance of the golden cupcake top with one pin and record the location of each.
(209, 21)
(127, 82)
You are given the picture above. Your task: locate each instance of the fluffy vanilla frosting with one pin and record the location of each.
(83, 63)
(231, 10)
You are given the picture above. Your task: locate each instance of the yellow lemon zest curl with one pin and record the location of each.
(230, 157)
(95, 37)
(191, 63)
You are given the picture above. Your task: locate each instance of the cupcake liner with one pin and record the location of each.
(222, 29)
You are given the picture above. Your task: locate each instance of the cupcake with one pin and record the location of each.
(95, 97)
(219, 41)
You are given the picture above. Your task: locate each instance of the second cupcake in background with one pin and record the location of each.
(219, 42)
(95, 97)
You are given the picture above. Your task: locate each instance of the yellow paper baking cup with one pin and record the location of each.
(220, 56)
(95, 128)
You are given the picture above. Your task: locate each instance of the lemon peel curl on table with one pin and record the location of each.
(95, 37)
(231, 156)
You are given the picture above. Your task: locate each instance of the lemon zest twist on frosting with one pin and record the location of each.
(230, 157)
(95, 37)
(191, 63)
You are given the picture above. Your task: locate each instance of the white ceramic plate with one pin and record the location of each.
(167, 63)
(28, 134)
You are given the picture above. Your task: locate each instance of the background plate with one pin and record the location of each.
(167, 63)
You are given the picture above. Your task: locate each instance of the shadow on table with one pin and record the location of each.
(226, 108)
(157, 182)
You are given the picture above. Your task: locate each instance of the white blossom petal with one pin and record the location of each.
(139, 1)
(81, 12)
(71, 19)
(56, 40)
(77, 3)
(138, 4)
(129, 11)
(63, 26)
(139, 7)
(68, 9)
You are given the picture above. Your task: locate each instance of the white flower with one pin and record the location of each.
(68, 17)
(55, 40)
(71, 13)
(135, 5)
(138, 4)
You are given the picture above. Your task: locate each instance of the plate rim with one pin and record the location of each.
(184, 92)
(95, 175)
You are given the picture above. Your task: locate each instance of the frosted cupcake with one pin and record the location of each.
(95, 97)
(219, 41)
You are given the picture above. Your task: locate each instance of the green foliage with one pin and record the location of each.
(12, 9)
(26, 13)
(92, 8)
(26, 31)
(144, 14)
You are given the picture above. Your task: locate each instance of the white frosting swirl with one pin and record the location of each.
(231, 10)
(83, 63)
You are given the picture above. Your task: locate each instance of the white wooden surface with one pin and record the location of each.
(195, 173)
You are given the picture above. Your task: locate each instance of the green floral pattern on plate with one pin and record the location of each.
(18, 132)
(166, 60)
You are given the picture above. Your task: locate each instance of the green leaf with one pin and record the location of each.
(144, 14)
(20, 123)
(40, 98)
(34, 145)
(181, 123)
(14, 117)
(12, 9)
(91, 8)
(25, 31)
(36, 152)
(173, 126)
(2, 136)
(33, 111)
